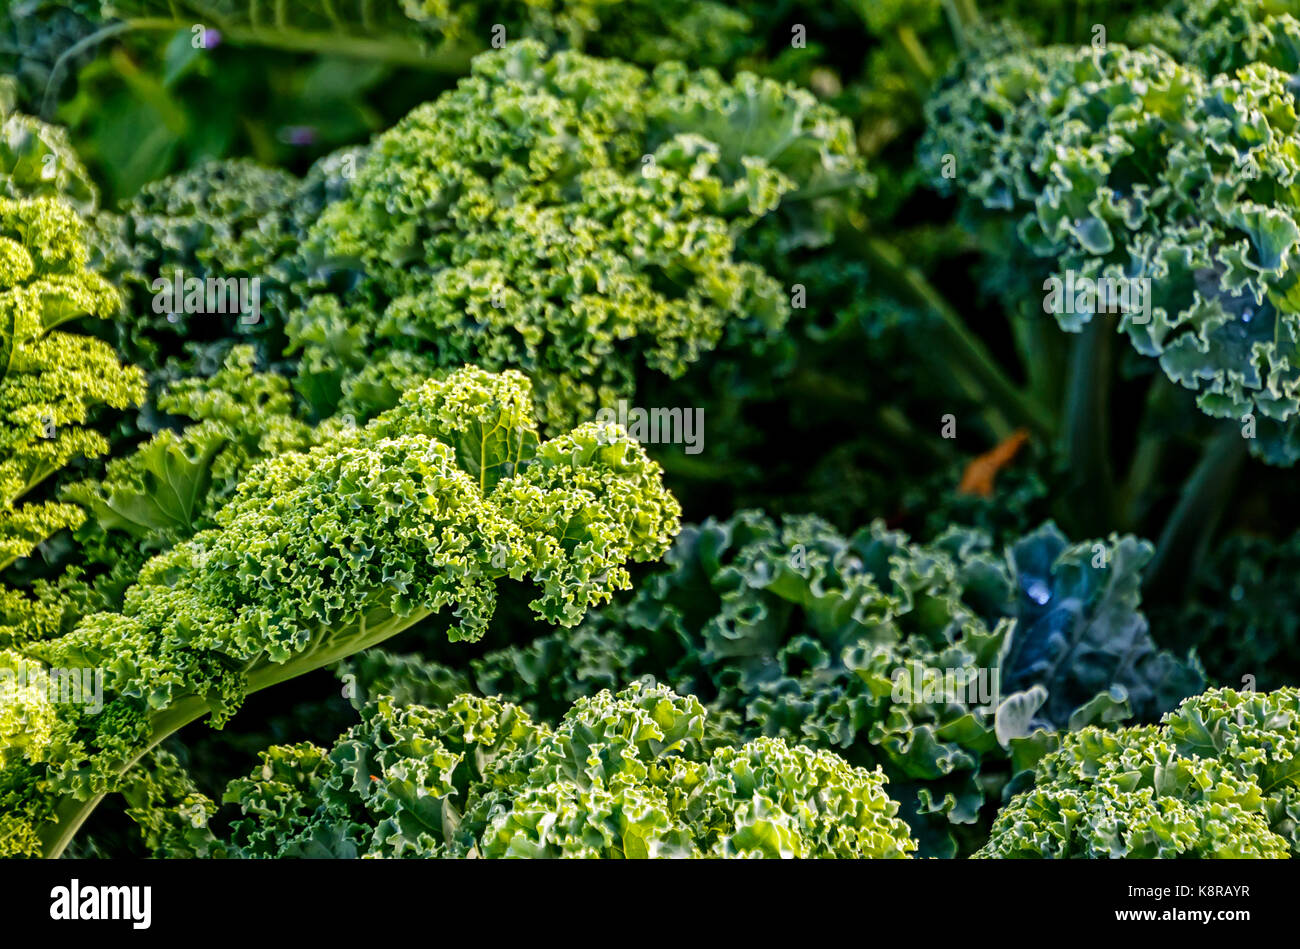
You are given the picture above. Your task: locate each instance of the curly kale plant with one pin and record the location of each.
(172, 486)
(160, 493)
(1126, 165)
(175, 483)
(869, 645)
(570, 217)
(622, 776)
(1219, 777)
(51, 381)
(323, 553)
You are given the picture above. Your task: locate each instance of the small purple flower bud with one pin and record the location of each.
(297, 134)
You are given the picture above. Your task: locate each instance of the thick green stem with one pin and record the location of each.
(976, 371)
(366, 631)
(448, 59)
(72, 812)
(1090, 498)
(1148, 456)
(1038, 346)
(1191, 525)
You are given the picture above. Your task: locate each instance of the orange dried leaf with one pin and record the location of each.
(979, 474)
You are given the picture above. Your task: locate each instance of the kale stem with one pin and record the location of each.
(445, 59)
(1191, 525)
(365, 632)
(1039, 348)
(1086, 436)
(1148, 455)
(915, 52)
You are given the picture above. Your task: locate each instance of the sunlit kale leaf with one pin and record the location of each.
(36, 159)
(323, 553)
(570, 217)
(51, 380)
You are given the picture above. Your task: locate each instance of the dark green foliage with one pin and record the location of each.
(1242, 613)
(473, 227)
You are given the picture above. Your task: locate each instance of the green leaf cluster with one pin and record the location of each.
(51, 380)
(573, 218)
(325, 552)
(863, 645)
(1127, 165)
(1218, 777)
(619, 776)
